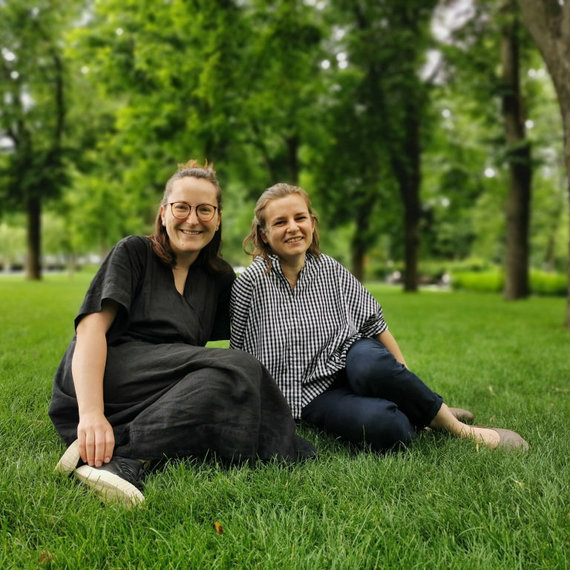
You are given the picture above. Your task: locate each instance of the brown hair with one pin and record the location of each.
(209, 256)
(253, 244)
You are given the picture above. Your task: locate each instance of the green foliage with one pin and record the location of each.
(483, 281)
(441, 503)
(310, 92)
(33, 94)
(492, 281)
(544, 283)
(12, 250)
(376, 119)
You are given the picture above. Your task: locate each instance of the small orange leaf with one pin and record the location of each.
(46, 558)
(218, 528)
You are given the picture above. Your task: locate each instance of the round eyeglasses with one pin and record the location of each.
(181, 210)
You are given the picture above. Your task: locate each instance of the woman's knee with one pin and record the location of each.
(238, 358)
(369, 361)
(361, 420)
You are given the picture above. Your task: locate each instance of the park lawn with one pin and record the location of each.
(443, 503)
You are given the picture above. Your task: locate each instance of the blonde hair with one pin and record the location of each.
(253, 244)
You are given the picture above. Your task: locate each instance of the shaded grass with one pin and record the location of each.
(441, 504)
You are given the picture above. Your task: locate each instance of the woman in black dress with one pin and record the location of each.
(136, 384)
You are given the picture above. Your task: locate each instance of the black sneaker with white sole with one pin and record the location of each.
(120, 480)
(69, 460)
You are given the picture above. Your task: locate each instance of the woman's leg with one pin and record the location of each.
(224, 402)
(372, 371)
(374, 421)
(445, 421)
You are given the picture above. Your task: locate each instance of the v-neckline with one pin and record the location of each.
(184, 283)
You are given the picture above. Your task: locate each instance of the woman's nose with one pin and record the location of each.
(292, 226)
(192, 216)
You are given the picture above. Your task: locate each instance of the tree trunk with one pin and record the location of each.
(406, 165)
(293, 158)
(518, 153)
(359, 243)
(548, 22)
(412, 240)
(357, 253)
(33, 265)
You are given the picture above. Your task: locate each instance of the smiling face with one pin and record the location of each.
(288, 228)
(190, 235)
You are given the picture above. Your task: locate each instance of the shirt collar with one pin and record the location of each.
(306, 272)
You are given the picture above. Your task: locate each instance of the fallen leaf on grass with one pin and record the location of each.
(46, 558)
(218, 528)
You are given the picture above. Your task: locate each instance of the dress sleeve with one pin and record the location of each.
(239, 309)
(118, 277)
(221, 330)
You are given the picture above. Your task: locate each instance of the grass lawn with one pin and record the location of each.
(443, 503)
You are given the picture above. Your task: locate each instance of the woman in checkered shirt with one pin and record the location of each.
(324, 339)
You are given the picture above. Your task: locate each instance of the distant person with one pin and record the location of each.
(136, 384)
(323, 337)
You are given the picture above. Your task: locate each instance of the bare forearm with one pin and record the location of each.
(390, 343)
(94, 432)
(88, 368)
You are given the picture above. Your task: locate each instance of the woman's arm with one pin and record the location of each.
(390, 343)
(94, 432)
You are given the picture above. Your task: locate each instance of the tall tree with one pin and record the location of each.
(163, 78)
(378, 120)
(518, 156)
(548, 22)
(230, 81)
(32, 112)
(279, 85)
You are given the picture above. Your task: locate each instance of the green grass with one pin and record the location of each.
(442, 504)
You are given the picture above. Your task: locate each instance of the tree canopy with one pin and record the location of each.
(387, 112)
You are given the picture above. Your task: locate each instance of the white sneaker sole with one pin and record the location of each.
(110, 487)
(69, 460)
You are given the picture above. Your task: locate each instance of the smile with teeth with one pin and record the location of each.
(191, 232)
(294, 239)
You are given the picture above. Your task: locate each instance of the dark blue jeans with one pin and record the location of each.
(377, 401)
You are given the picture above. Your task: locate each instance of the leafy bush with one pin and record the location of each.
(492, 281)
(543, 283)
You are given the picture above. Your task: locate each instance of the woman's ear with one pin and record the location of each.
(162, 214)
(262, 235)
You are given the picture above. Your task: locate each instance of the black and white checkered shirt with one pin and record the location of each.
(302, 334)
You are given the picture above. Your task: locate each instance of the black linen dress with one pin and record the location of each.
(165, 394)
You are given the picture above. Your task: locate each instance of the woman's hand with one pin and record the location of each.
(96, 439)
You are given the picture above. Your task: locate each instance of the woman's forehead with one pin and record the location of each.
(293, 203)
(191, 186)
